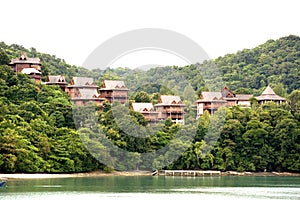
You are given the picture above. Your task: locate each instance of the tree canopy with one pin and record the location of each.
(38, 132)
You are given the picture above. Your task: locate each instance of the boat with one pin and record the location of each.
(2, 184)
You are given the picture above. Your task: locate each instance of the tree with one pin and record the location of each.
(280, 90)
(189, 94)
(294, 100)
(4, 60)
(142, 97)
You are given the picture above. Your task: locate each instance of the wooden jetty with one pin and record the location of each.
(188, 173)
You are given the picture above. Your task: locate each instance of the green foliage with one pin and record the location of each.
(275, 62)
(50, 64)
(37, 130)
(294, 101)
(142, 97)
(4, 60)
(251, 140)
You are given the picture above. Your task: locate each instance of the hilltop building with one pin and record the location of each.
(26, 65)
(147, 110)
(83, 90)
(233, 99)
(23, 61)
(57, 80)
(33, 73)
(269, 95)
(170, 107)
(114, 91)
(211, 101)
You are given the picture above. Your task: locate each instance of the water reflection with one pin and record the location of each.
(154, 188)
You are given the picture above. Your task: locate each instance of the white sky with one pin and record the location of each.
(73, 29)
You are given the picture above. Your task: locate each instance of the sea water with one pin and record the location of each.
(150, 188)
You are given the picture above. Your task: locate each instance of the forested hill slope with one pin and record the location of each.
(37, 130)
(50, 63)
(276, 62)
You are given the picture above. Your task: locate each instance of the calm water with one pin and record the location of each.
(150, 188)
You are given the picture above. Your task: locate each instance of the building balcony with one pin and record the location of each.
(173, 110)
(213, 106)
(151, 118)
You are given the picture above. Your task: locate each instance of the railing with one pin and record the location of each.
(150, 118)
(174, 110)
(213, 106)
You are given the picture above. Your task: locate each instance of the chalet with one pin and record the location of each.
(57, 80)
(269, 95)
(147, 110)
(211, 101)
(243, 100)
(18, 64)
(233, 99)
(229, 97)
(114, 91)
(170, 107)
(26, 65)
(83, 90)
(33, 73)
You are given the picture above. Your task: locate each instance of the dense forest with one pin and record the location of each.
(38, 132)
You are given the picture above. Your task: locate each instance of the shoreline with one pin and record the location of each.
(129, 173)
(235, 173)
(71, 175)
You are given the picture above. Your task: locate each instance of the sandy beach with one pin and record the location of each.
(87, 174)
(127, 173)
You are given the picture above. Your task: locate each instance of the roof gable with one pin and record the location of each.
(268, 91)
(23, 58)
(209, 96)
(269, 94)
(113, 84)
(56, 79)
(142, 107)
(82, 81)
(226, 92)
(88, 93)
(168, 99)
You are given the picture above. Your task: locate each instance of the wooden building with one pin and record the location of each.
(26, 65)
(83, 90)
(147, 110)
(269, 95)
(33, 73)
(114, 91)
(228, 96)
(170, 107)
(243, 100)
(211, 101)
(233, 99)
(23, 61)
(57, 80)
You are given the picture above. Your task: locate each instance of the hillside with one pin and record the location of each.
(276, 62)
(50, 63)
(37, 131)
